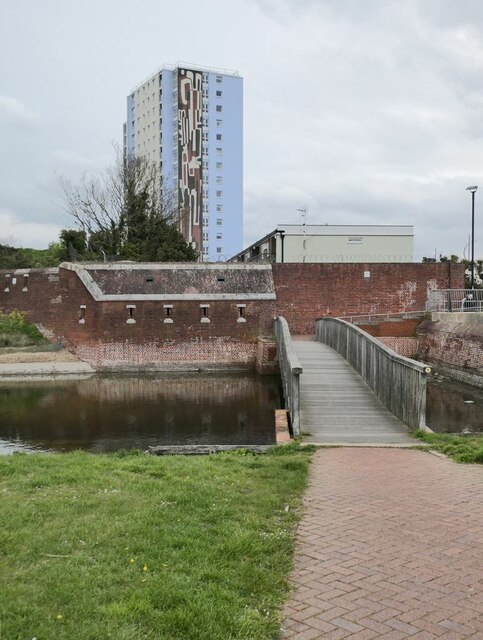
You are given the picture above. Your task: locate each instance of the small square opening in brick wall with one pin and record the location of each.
(130, 310)
(168, 314)
(205, 313)
(241, 313)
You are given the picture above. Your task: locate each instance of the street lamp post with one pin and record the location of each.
(473, 191)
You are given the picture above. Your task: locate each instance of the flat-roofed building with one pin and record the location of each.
(332, 243)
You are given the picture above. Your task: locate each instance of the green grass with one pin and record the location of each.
(461, 448)
(132, 546)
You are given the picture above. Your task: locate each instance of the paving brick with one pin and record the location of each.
(404, 530)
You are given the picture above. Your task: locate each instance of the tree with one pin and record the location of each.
(126, 213)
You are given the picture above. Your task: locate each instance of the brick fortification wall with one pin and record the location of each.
(138, 326)
(87, 307)
(455, 344)
(309, 291)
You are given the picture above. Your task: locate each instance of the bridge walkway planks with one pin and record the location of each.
(337, 406)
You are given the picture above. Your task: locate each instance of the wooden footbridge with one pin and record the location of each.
(344, 387)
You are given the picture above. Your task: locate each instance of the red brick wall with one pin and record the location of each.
(41, 300)
(308, 291)
(404, 327)
(304, 292)
(404, 346)
(107, 340)
(453, 343)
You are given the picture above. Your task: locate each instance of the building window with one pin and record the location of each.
(219, 180)
(219, 136)
(219, 221)
(219, 236)
(219, 108)
(219, 208)
(219, 123)
(219, 93)
(219, 194)
(219, 165)
(218, 249)
(219, 79)
(82, 314)
(219, 151)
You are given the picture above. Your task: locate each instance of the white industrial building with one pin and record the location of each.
(332, 243)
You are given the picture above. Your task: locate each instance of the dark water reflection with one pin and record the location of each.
(107, 413)
(453, 407)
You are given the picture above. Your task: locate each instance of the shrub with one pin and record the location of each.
(16, 331)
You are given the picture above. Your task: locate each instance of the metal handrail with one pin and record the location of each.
(454, 300)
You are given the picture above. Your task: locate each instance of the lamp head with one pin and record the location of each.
(472, 189)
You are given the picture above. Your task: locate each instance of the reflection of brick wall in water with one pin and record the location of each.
(216, 388)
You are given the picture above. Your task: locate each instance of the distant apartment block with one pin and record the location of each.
(189, 119)
(332, 243)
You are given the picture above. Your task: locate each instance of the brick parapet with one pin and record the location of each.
(309, 291)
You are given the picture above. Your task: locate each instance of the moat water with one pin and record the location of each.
(106, 413)
(453, 407)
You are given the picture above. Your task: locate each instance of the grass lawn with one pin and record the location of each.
(132, 546)
(461, 448)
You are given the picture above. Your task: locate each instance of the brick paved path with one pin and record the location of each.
(390, 546)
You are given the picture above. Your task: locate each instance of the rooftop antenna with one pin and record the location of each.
(303, 211)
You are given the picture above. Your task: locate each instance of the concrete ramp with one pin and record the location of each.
(337, 406)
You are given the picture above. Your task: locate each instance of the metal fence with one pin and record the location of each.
(399, 382)
(452, 300)
(290, 369)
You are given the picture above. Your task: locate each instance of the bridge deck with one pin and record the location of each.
(337, 406)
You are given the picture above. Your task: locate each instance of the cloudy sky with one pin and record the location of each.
(366, 111)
